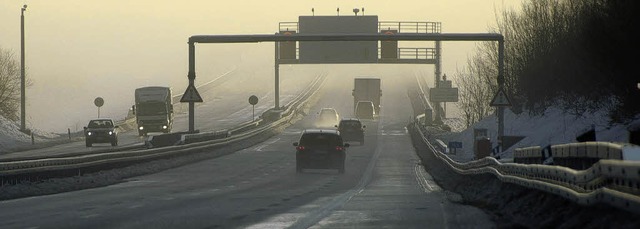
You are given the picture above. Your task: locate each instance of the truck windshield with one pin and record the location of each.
(151, 108)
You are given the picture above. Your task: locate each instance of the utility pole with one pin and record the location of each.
(22, 78)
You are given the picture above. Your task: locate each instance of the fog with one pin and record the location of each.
(79, 50)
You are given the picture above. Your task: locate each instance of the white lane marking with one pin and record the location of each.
(422, 180)
(317, 215)
(259, 148)
(90, 216)
(425, 179)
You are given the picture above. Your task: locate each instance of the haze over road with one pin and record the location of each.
(384, 185)
(79, 50)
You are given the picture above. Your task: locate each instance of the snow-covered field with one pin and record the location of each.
(553, 127)
(11, 138)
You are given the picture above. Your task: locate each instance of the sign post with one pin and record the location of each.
(253, 100)
(501, 101)
(191, 96)
(98, 102)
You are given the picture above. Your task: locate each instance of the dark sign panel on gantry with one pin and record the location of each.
(338, 51)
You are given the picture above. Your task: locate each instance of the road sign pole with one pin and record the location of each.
(253, 100)
(438, 72)
(277, 76)
(501, 87)
(192, 77)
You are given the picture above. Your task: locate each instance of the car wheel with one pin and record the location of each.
(114, 143)
(88, 143)
(140, 133)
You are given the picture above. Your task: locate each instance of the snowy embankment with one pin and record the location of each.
(12, 139)
(553, 127)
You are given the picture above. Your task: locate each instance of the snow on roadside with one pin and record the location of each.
(11, 137)
(553, 127)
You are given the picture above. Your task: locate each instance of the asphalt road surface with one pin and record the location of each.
(384, 186)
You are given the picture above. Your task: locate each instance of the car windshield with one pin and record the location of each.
(327, 112)
(100, 124)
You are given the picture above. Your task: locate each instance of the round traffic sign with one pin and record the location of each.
(253, 100)
(98, 101)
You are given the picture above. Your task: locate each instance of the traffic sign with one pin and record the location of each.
(438, 95)
(191, 95)
(500, 99)
(98, 101)
(253, 100)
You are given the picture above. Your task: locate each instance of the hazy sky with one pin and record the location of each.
(77, 50)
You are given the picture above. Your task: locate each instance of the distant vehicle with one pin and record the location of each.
(320, 149)
(153, 109)
(365, 110)
(101, 130)
(327, 117)
(367, 89)
(351, 129)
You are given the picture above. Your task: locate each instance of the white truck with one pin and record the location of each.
(367, 89)
(153, 109)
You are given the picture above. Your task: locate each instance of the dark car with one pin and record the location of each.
(351, 129)
(101, 131)
(320, 149)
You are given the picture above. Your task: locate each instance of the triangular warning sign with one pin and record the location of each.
(500, 100)
(191, 95)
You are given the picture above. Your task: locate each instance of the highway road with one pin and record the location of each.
(225, 105)
(385, 186)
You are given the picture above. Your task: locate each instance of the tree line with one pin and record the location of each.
(9, 85)
(575, 54)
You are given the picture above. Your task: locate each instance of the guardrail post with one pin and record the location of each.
(33, 141)
(69, 132)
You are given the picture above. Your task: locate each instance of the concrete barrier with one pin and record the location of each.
(163, 140)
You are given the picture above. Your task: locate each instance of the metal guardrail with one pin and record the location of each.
(36, 166)
(294, 105)
(410, 26)
(288, 26)
(612, 182)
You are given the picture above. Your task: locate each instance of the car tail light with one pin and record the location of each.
(339, 148)
(300, 148)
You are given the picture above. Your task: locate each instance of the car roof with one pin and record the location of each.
(327, 109)
(101, 119)
(350, 119)
(319, 131)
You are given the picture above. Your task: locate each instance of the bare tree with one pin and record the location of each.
(9, 85)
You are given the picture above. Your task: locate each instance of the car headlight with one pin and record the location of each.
(110, 132)
(89, 133)
(164, 127)
(141, 128)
